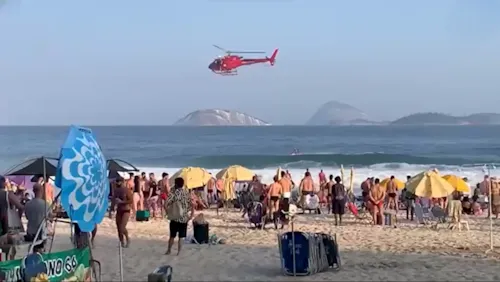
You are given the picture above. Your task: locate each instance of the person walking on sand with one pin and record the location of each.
(286, 184)
(123, 200)
(152, 196)
(306, 187)
(392, 188)
(180, 211)
(328, 189)
(211, 191)
(274, 196)
(322, 178)
(410, 200)
(376, 197)
(338, 200)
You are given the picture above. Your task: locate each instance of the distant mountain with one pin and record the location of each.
(443, 119)
(217, 117)
(336, 113)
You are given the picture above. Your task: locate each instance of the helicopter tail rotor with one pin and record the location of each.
(272, 60)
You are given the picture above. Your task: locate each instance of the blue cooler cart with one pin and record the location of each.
(295, 254)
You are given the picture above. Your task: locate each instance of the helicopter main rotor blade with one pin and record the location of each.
(247, 52)
(222, 49)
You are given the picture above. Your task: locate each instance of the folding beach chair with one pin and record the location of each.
(362, 217)
(438, 216)
(423, 217)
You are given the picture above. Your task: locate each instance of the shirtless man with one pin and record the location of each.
(485, 190)
(376, 197)
(328, 188)
(286, 184)
(392, 188)
(306, 187)
(274, 196)
(164, 187)
(130, 181)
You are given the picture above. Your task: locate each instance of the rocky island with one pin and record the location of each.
(337, 113)
(218, 117)
(443, 119)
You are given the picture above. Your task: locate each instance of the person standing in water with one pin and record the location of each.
(123, 200)
(338, 200)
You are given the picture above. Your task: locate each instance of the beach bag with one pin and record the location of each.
(312, 202)
(13, 219)
(256, 213)
(201, 233)
(174, 211)
(142, 215)
(33, 268)
(161, 274)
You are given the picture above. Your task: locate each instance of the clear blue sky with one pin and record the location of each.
(145, 62)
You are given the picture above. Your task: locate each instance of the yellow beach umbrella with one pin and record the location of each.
(399, 184)
(457, 183)
(429, 184)
(228, 192)
(236, 172)
(194, 177)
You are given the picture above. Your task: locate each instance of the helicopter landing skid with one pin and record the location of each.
(227, 73)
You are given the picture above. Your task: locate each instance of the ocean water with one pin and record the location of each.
(378, 151)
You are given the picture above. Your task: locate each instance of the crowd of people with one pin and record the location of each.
(146, 192)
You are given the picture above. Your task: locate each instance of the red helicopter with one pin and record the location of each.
(227, 65)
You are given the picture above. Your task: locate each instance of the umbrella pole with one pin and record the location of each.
(490, 212)
(120, 255)
(491, 218)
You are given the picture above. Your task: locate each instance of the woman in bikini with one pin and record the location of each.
(137, 194)
(123, 200)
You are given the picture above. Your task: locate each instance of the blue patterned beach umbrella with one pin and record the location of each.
(82, 178)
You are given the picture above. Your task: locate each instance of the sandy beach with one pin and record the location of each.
(406, 253)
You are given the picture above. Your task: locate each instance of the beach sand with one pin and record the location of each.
(407, 253)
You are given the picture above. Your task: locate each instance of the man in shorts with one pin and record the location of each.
(178, 226)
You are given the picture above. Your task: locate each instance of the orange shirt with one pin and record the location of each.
(49, 192)
(275, 189)
(286, 184)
